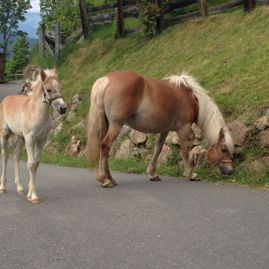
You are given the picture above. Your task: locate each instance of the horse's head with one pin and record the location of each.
(219, 155)
(51, 87)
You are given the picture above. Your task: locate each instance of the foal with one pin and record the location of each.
(29, 119)
(154, 106)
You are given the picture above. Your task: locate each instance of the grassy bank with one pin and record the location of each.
(227, 53)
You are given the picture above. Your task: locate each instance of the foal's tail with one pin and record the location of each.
(97, 121)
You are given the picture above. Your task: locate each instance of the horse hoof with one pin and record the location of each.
(107, 183)
(20, 192)
(35, 201)
(3, 190)
(114, 182)
(157, 178)
(195, 179)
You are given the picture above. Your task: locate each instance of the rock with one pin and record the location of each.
(71, 116)
(76, 99)
(124, 131)
(58, 129)
(125, 150)
(260, 165)
(197, 131)
(51, 147)
(73, 147)
(172, 139)
(80, 125)
(74, 107)
(138, 137)
(240, 133)
(165, 154)
(263, 138)
(257, 166)
(262, 123)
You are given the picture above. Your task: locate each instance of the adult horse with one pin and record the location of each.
(29, 118)
(154, 106)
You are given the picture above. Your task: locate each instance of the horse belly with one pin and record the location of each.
(148, 124)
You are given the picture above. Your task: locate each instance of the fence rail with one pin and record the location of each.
(109, 12)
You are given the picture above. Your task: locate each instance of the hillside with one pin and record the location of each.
(227, 53)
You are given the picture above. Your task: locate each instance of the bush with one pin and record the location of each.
(148, 16)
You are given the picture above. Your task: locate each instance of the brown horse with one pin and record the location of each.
(154, 106)
(29, 118)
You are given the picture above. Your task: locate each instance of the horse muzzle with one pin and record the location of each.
(226, 169)
(59, 105)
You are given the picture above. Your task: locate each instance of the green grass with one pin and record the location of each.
(228, 53)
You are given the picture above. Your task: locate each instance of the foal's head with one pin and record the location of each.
(220, 155)
(51, 88)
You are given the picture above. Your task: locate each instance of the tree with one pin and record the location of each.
(20, 53)
(64, 11)
(11, 12)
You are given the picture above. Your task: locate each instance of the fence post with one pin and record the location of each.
(120, 14)
(160, 18)
(84, 19)
(203, 8)
(57, 40)
(42, 40)
(249, 5)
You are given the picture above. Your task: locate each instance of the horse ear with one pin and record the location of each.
(43, 75)
(221, 135)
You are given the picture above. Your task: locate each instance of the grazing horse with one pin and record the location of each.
(29, 119)
(154, 106)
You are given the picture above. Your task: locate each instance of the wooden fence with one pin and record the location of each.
(93, 15)
(50, 42)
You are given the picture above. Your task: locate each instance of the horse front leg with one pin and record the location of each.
(151, 170)
(32, 164)
(103, 174)
(4, 153)
(17, 151)
(183, 135)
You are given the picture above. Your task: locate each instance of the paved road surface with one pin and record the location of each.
(140, 224)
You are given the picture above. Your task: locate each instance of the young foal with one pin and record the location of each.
(28, 117)
(154, 106)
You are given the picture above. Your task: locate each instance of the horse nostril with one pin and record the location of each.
(63, 109)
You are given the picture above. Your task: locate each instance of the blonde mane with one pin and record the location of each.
(48, 72)
(210, 119)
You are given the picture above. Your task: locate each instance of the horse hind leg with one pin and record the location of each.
(151, 170)
(183, 135)
(103, 173)
(17, 151)
(4, 153)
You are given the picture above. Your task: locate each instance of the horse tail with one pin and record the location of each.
(97, 121)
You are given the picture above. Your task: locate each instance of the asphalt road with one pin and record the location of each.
(139, 224)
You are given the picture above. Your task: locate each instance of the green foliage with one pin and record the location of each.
(64, 11)
(11, 12)
(148, 16)
(20, 54)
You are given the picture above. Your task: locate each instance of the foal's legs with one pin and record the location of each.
(4, 152)
(17, 151)
(103, 173)
(183, 135)
(32, 164)
(151, 170)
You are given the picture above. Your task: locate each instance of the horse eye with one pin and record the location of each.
(49, 90)
(224, 150)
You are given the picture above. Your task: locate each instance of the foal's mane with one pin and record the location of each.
(37, 82)
(210, 118)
